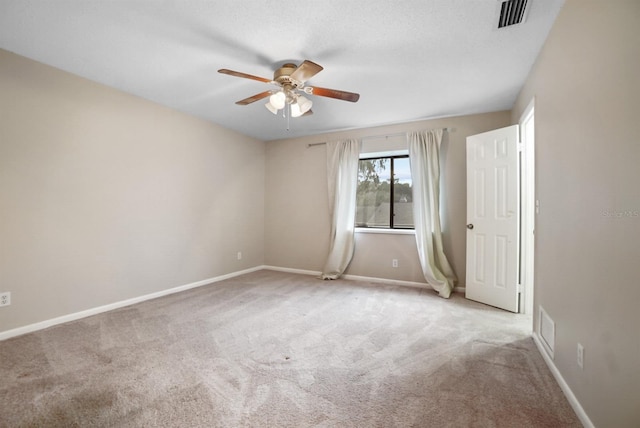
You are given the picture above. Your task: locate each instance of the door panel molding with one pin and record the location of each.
(493, 210)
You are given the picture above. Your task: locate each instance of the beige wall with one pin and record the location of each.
(297, 216)
(105, 196)
(587, 104)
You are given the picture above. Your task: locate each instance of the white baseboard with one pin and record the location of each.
(387, 281)
(413, 284)
(290, 270)
(361, 278)
(350, 277)
(573, 401)
(100, 309)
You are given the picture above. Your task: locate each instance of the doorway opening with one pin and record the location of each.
(528, 208)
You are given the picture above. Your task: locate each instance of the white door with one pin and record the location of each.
(492, 218)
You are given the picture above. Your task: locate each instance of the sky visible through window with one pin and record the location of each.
(403, 172)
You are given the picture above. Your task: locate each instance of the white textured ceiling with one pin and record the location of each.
(408, 60)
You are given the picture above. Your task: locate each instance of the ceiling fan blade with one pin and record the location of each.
(245, 75)
(334, 93)
(306, 71)
(254, 98)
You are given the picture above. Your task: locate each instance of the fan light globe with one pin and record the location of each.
(277, 100)
(271, 108)
(304, 104)
(295, 110)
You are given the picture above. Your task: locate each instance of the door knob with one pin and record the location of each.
(470, 226)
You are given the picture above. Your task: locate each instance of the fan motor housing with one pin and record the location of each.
(282, 75)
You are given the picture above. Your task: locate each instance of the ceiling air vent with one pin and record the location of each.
(512, 12)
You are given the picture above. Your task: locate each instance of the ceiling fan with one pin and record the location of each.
(291, 81)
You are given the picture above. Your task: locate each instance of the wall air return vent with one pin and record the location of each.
(512, 12)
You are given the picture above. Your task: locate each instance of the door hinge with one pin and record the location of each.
(520, 147)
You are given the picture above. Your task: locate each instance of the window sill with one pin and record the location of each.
(385, 231)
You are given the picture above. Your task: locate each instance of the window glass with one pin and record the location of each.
(384, 197)
(402, 195)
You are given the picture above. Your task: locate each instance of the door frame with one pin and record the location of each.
(528, 207)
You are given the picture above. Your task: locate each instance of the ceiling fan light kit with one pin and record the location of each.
(298, 105)
(291, 80)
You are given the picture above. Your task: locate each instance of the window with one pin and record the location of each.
(384, 198)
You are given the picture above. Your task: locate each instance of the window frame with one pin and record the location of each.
(392, 227)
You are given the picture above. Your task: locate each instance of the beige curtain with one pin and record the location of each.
(424, 157)
(342, 175)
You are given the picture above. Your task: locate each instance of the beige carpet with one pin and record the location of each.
(272, 349)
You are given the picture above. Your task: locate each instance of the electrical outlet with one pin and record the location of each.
(239, 255)
(394, 263)
(580, 356)
(5, 298)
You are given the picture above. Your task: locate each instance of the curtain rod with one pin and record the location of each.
(397, 134)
